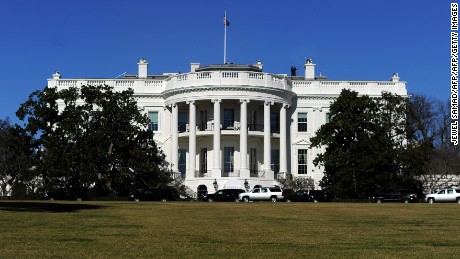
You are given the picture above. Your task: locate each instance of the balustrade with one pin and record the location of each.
(202, 173)
(231, 174)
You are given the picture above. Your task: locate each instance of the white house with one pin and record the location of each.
(235, 126)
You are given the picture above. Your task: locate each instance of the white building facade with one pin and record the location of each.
(235, 126)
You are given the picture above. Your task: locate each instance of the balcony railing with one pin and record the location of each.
(226, 78)
(231, 174)
(206, 126)
(182, 128)
(209, 126)
(203, 173)
(256, 127)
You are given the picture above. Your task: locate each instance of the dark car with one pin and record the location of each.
(404, 196)
(308, 196)
(224, 195)
(161, 194)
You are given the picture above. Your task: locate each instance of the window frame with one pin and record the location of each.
(152, 124)
(302, 126)
(302, 168)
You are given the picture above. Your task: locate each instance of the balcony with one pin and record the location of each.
(231, 174)
(202, 173)
(235, 126)
(227, 78)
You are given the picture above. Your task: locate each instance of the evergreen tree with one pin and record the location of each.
(365, 147)
(92, 138)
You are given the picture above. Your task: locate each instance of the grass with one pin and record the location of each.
(250, 230)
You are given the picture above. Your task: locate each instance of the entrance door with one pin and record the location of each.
(228, 161)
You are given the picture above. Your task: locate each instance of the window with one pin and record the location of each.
(328, 117)
(450, 191)
(182, 121)
(302, 161)
(228, 160)
(229, 118)
(302, 122)
(274, 189)
(182, 161)
(274, 122)
(275, 157)
(204, 160)
(153, 117)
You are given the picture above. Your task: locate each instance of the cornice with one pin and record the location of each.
(276, 91)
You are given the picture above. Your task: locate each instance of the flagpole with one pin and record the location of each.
(225, 37)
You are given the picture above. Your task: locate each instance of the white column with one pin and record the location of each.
(192, 141)
(267, 141)
(216, 167)
(244, 171)
(175, 138)
(283, 140)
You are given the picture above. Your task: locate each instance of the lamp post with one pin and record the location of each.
(216, 186)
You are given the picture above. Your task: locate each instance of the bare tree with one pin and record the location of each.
(429, 120)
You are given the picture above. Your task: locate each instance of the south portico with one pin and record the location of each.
(236, 141)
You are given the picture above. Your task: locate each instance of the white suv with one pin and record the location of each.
(272, 194)
(446, 195)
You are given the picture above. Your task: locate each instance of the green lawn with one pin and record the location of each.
(249, 230)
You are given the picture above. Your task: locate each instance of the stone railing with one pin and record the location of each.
(208, 78)
(227, 78)
(139, 85)
(202, 173)
(230, 174)
(334, 87)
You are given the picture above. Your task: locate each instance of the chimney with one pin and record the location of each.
(143, 67)
(194, 66)
(309, 69)
(395, 78)
(57, 75)
(259, 64)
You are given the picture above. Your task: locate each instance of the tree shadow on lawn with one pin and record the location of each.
(46, 207)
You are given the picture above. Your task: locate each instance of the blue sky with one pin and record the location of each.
(348, 40)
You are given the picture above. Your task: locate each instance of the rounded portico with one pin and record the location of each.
(231, 125)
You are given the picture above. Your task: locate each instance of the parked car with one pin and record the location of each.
(161, 194)
(404, 196)
(308, 196)
(272, 194)
(224, 195)
(446, 195)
